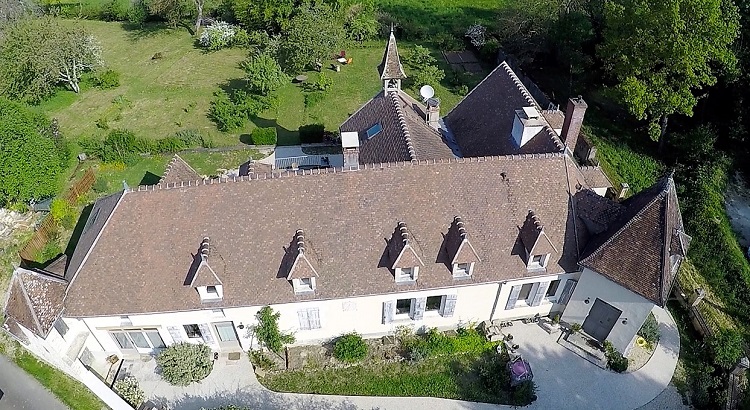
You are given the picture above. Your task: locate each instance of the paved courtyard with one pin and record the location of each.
(563, 379)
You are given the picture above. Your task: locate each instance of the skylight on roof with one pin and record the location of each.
(374, 130)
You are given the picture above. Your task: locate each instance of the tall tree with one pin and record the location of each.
(30, 159)
(313, 34)
(199, 12)
(38, 54)
(662, 52)
(269, 15)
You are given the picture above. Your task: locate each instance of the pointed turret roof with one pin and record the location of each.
(635, 250)
(391, 67)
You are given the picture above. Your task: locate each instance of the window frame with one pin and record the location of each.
(409, 277)
(304, 285)
(440, 301)
(408, 308)
(540, 264)
(462, 270)
(193, 330)
(555, 284)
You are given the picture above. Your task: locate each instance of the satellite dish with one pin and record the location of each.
(427, 91)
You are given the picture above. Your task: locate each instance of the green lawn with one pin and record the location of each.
(165, 95)
(156, 98)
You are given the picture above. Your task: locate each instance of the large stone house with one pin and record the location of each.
(482, 214)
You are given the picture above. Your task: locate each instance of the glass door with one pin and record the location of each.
(135, 341)
(227, 336)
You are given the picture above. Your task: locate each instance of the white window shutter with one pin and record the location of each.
(304, 321)
(313, 316)
(513, 298)
(208, 337)
(176, 333)
(388, 308)
(449, 305)
(419, 306)
(541, 290)
(567, 292)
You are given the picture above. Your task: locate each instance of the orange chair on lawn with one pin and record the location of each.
(349, 61)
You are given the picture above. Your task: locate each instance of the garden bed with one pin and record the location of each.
(462, 366)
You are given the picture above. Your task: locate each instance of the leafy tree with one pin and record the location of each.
(37, 54)
(269, 15)
(12, 10)
(661, 52)
(264, 75)
(313, 34)
(199, 12)
(431, 75)
(523, 26)
(173, 11)
(267, 330)
(30, 160)
(361, 23)
(419, 57)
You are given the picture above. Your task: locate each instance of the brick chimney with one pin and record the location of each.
(350, 147)
(433, 113)
(573, 120)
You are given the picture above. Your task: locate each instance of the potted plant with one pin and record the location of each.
(575, 327)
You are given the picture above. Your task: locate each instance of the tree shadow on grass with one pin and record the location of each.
(149, 178)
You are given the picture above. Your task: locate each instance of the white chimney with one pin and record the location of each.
(350, 147)
(526, 124)
(433, 113)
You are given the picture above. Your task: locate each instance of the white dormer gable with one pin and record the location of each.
(205, 280)
(526, 124)
(301, 273)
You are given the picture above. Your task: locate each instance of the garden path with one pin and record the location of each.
(564, 381)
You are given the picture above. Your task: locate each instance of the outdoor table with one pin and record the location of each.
(300, 78)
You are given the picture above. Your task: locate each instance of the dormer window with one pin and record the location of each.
(538, 246)
(405, 262)
(302, 274)
(304, 285)
(462, 255)
(204, 278)
(462, 270)
(406, 274)
(538, 261)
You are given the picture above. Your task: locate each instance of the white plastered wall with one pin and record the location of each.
(544, 309)
(634, 307)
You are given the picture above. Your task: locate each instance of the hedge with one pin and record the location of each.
(264, 136)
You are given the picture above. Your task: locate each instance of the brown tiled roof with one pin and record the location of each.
(347, 215)
(457, 243)
(100, 213)
(391, 67)
(596, 211)
(178, 171)
(555, 118)
(405, 135)
(595, 177)
(482, 122)
(35, 300)
(635, 249)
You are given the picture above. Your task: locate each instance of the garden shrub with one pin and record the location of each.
(130, 391)
(322, 84)
(311, 133)
(615, 360)
(107, 79)
(435, 343)
(419, 58)
(264, 136)
(137, 13)
(225, 113)
(495, 377)
(267, 330)
(428, 75)
(726, 347)
(261, 360)
(100, 185)
(263, 74)
(169, 145)
(650, 330)
(217, 36)
(123, 146)
(191, 137)
(185, 363)
(361, 24)
(241, 39)
(490, 50)
(63, 213)
(114, 10)
(350, 348)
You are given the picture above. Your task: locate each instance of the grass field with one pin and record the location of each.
(165, 95)
(156, 98)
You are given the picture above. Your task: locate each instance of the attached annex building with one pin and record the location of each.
(479, 215)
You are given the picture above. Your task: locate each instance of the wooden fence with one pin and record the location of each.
(48, 228)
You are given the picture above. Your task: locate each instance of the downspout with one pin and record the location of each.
(497, 299)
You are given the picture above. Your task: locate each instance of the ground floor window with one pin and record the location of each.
(193, 331)
(433, 303)
(138, 339)
(403, 306)
(525, 291)
(552, 289)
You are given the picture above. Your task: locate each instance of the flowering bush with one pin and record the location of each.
(217, 36)
(477, 35)
(129, 390)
